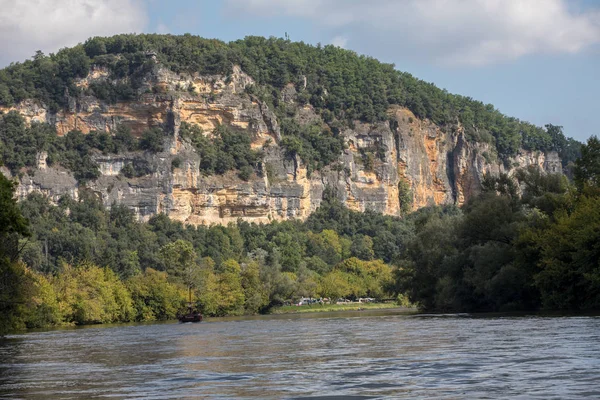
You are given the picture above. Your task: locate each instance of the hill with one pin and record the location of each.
(209, 132)
(257, 172)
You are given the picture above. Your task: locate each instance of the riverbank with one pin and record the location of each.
(337, 307)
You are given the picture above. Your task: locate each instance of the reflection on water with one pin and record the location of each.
(323, 356)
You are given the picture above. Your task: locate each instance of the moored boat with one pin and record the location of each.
(192, 315)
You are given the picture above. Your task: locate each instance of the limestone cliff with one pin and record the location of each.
(439, 167)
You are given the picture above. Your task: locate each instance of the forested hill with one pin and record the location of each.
(258, 172)
(341, 85)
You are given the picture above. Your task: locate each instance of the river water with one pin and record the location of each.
(324, 356)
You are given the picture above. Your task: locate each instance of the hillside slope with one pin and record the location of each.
(255, 129)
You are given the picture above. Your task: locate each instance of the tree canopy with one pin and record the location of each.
(340, 84)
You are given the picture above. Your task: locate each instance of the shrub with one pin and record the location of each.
(153, 140)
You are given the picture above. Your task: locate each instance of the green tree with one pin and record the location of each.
(587, 167)
(15, 285)
(570, 258)
(254, 292)
(229, 286)
(208, 289)
(154, 297)
(43, 310)
(307, 282)
(88, 294)
(180, 260)
(153, 140)
(362, 247)
(326, 245)
(334, 285)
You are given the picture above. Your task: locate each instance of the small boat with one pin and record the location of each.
(192, 315)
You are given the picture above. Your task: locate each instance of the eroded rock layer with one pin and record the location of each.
(434, 165)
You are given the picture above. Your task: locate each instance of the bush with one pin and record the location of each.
(176, 163)
(316, 145)
(245, 172)
(153, 140)
(136, 169)
(128, 170)
(226, 150)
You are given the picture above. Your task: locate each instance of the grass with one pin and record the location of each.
(331, 307)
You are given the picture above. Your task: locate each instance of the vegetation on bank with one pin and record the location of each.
(341, 86)
(507, 251)
(82, 264)
(77, 263)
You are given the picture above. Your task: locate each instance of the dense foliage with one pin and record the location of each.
(14, 288)
(508, 249)
(315, 144)
(341, 85)
(20, 146)
(511, 252)
(85, 264)
(528, 242)
(223, 150)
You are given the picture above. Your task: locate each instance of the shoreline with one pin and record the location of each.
(311, 313)
(318, 312)
(316, 308)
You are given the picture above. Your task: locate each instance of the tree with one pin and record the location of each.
(229, 286)
(43, 310)
(15, 284)
(290, 250)
(88, 294)
(16, 288)
(12, 223)
(180, 260)
(334, 285)
(570, 258)
(153, 140)
(254, 292)
(378, 279)
(325, 245)
(307, 282)
(154, 297)
(587, 167)
(362, 247)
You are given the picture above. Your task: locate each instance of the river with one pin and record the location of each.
(358, 355)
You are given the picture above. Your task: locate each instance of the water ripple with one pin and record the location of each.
(324, 357)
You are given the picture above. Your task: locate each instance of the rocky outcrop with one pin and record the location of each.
(379, 161)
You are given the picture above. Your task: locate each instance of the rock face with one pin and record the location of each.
(380, 159)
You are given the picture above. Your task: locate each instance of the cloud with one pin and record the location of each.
(455, 32)
(48, 25)
(339, 41)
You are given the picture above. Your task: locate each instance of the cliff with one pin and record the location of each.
(402, 163)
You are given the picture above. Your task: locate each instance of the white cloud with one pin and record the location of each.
(457, 32)
(48, 25)
(339, 41)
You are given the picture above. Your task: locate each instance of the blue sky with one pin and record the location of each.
(533, 59)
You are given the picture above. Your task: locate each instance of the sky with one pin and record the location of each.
(537, 60)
